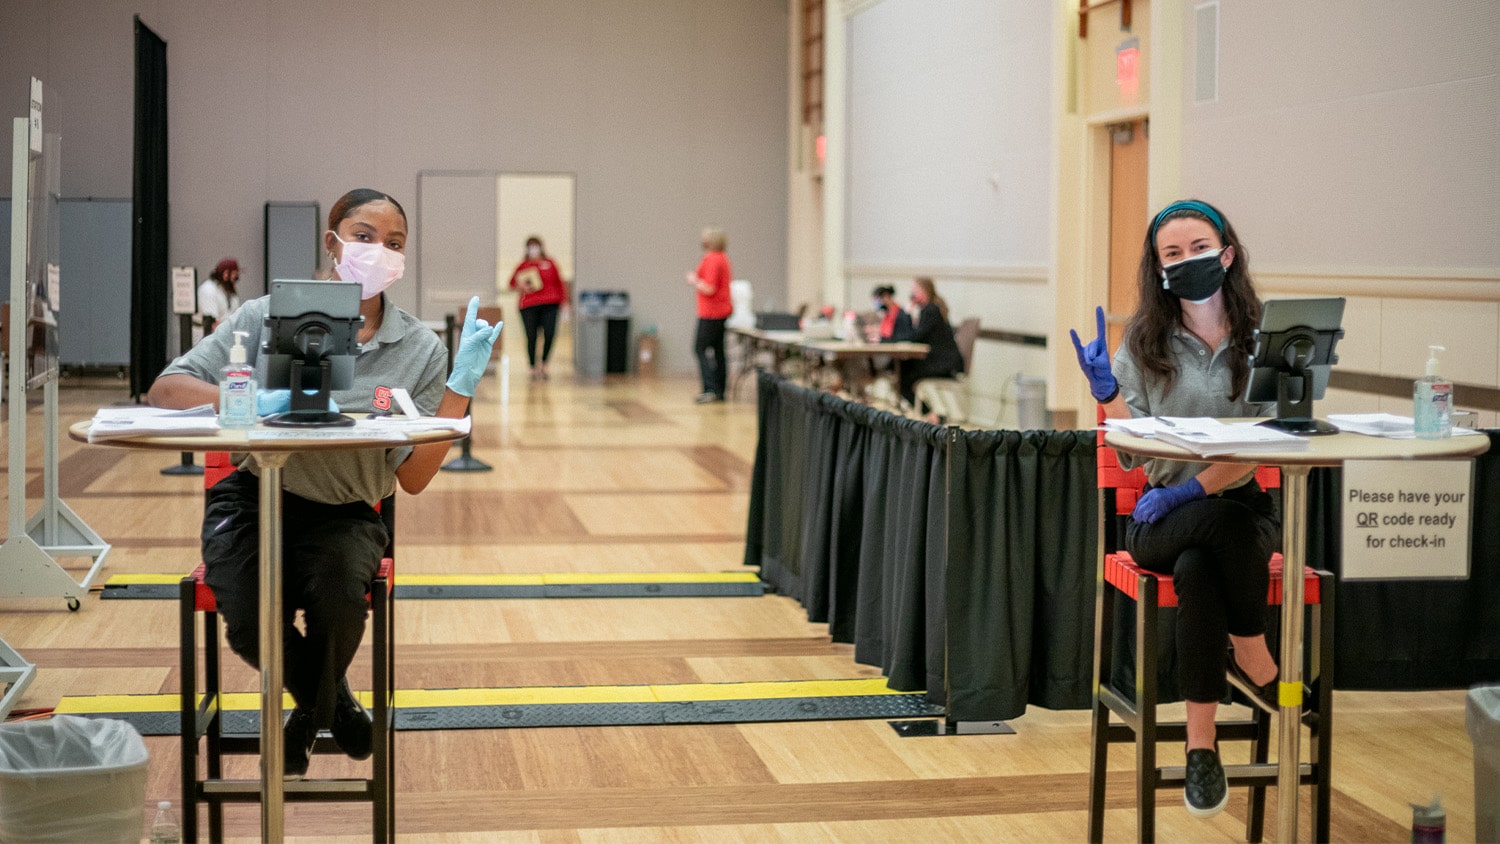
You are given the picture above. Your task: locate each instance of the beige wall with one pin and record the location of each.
(672, 113)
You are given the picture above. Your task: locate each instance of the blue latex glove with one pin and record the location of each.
(1162, 500)
(271, 402)
(1093, 359)
(473, 353)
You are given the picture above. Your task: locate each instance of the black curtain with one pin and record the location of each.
(150, 277)
(988, 610)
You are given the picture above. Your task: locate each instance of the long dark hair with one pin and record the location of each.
(1159, 313)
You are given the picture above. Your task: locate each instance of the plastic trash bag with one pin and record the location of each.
(70, 779)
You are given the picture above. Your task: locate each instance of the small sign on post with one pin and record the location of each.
(184, 290)
(1407, 519)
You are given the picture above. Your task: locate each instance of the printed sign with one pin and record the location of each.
(184, 290)
(1407, 519)
(36, 115)
(54, 286)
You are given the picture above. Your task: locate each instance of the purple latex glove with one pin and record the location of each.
(1093, 359)
(1162, 500)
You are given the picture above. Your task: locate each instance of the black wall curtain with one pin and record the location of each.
(988, 610)
(1415, 634)
(1021, 561)
(150, 277)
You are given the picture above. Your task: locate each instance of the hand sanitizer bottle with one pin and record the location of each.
(237, 388)
(1432, 401)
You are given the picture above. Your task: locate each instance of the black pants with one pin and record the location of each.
(329, 554)
(713, 365)
(1217, 550)
(915, 370)
(540, 319)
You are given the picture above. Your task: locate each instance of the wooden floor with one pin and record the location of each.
(625, 477)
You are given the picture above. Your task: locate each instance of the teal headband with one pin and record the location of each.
(1188, 205)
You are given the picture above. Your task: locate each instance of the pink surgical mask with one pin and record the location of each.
(374, 266)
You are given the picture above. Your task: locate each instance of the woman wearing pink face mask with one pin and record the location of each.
(542, 295)
(333, 538)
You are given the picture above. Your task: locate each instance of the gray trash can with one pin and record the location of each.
(1484, 730)
(1031, 404)
(72, 779)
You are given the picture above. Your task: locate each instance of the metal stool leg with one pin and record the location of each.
(188, 680)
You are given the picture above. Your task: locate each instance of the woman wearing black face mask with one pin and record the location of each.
(1186, 353)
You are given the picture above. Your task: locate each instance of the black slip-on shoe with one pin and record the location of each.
(297, 741)
(351, 724)
(1205, 792)
(1266, 697)
(1263, 696)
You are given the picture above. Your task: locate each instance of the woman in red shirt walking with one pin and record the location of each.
(711, 280)
(542, 294)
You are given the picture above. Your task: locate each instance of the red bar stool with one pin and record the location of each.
(202, 720)
(1117, 574)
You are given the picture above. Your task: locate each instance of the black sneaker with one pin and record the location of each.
(298, 736)
(351, 724)
(1206, 792)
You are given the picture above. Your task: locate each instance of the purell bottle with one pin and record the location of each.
(1432, 401)
(237, 388)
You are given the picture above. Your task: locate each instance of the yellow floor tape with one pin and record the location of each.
(412, 698)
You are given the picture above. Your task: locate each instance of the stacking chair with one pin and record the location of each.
(1117, 576)
(949, 397)
(203, 719)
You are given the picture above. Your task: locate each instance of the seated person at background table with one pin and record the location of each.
(217, 295)
(1186, 353)
(895, 322)
(943, 360)
(333, 538)
(542, 295)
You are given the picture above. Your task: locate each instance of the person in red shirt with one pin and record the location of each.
(542, 295)
(711, 280)
(895, 323)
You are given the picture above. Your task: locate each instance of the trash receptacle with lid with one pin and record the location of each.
(72, 779)
(1484, 731)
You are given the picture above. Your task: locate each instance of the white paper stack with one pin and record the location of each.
(1209, 437)
(112, 423)
(1388, 425)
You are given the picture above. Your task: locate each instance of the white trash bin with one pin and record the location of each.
(1484, 730)
(70, 779)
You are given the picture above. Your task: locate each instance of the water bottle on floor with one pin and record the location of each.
(166, 829)
(1428, 823)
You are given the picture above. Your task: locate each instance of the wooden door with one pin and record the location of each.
(1127, 221)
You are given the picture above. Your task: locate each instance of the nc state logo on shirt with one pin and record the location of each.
(382, 398)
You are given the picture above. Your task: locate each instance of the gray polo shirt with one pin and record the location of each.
(1200, 389)
(403, 353)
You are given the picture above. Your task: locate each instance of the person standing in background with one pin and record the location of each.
(218, 296)
(711, 280)
(542, 296)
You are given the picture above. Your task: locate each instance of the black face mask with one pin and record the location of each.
(1195, 279)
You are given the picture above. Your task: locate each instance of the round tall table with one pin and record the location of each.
(271, 456)
(1324, 451)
